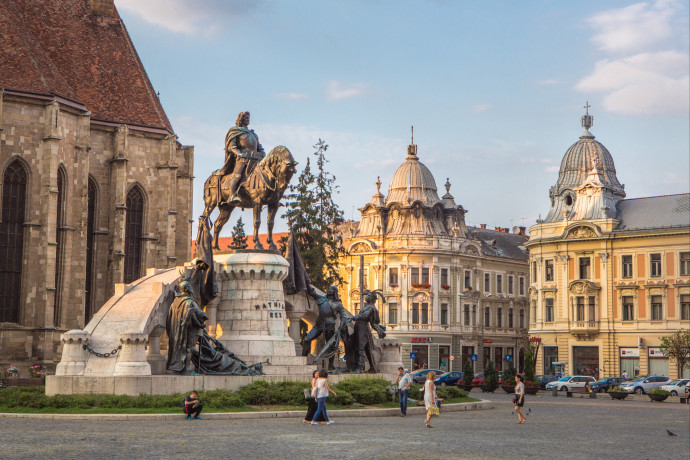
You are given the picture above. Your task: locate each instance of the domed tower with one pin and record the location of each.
(413, 203)
(587, 186)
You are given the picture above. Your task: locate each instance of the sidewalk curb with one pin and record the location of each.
(479, 405)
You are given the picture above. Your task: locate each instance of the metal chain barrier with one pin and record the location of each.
(101, 355)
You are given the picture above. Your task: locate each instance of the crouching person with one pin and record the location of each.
(192, 407)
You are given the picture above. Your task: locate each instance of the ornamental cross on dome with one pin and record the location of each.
(587, 120)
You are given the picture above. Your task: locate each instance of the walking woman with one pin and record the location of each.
(430, 398)
(322, 390)
(519, 397)
(311, 400)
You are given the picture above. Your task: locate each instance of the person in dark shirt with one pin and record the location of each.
(192, 407)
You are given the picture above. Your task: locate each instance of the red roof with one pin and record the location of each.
(62, 48)
(225, 242)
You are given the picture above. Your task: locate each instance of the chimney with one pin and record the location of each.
(482, 226)
(498, 229)
(523, 231)
(103, 7)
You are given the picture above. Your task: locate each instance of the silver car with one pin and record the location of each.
(676, 387)
(570, 382)
(642, 385)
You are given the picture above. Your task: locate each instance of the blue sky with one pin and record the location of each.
(494, 89)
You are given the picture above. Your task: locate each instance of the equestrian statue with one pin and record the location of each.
(248, 179)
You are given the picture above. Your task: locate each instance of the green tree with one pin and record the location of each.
(677, 346)
(314, 215)
(468, 370)
(529, 365)
(490, 374)
(509, 374)
(239, 238)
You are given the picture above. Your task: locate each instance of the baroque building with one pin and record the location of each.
(610, 275)
(94, 185)
(452, 291)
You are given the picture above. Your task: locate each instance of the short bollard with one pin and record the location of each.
(593, 395)
(569, 393)
(555, 391)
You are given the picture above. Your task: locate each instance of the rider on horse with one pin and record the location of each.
(242, 152)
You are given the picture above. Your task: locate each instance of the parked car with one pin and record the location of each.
(569, 382)
(642, 385)
(676, 387)
(420, 376)
(544, 379)
(449, 378)
(479, 379)
(603, 385)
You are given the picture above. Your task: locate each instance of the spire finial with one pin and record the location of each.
(412, 149)
(587, 121)
(447, 184)
(378, 184)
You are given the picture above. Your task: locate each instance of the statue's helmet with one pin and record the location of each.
(332, 293)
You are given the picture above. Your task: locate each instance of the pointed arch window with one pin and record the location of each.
(14, 183)
(134, 231)
(90, 244)
(60, 246)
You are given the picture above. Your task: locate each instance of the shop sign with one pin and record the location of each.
(655, 352)
(630, 352)
(422, 340)
(535, 339)
(488, 341)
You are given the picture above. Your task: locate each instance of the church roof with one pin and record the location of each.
(62, 48)
(654, 212)
(412, 182)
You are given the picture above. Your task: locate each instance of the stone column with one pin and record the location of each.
(391, 355)
(212, 314)
(74, 355)
(132, 357)
(251, 312)
(293, 330)
(153, 352)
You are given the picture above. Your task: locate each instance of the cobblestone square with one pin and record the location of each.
(556, 428)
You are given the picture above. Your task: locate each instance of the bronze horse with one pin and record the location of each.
(265, 185)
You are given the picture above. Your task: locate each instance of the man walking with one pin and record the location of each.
(403, 380)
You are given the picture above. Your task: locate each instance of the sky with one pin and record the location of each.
(494, 89)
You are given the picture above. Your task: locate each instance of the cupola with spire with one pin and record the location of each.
(587, 186)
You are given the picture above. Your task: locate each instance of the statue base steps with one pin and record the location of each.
(172, 384)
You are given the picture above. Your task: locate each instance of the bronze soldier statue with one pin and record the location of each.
(184, 325)
(242, 152)
(330, 308)
(362, 340)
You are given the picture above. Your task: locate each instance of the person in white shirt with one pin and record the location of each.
(430, 398)
(519, 398)
(403, 380)
(322, 389)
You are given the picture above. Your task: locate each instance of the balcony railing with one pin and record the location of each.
(586, 325)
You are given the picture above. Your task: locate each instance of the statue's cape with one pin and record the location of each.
(234, 132)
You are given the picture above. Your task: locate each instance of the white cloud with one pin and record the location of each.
(481, 107)
(189, 17)
(645, 73)
(292, 96)
(336, 90)
(548, 82)
(636, 27)
(653, 83)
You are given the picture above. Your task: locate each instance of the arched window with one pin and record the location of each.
(134, 230)
(60, 247)
(90, 243)
(14, 184)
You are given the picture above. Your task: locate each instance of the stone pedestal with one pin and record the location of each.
(391, 355)
(74, 356)
(131, 360)
(251, 317)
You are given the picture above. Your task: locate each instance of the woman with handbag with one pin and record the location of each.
(311, 400)
(519, 398)
(322, 389)
(430, 398)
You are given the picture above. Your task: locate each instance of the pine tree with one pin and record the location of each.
(239, 238)
(313, 214)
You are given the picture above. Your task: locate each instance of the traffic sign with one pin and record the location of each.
(473, 357)
(413, 355)
(452, 357)
(508, 357)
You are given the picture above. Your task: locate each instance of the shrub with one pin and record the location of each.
(659, 391)
(490, 374)
(365, 390)
(617, 389)
(450, 392)
(344, 398)
(529, 365)
(262, 392)
(509, 375)
(415, 388)
(469, 372)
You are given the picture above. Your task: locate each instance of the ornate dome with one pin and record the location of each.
(587, 186)
(412, 182)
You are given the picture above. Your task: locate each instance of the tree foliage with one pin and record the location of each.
(314, 215)
(468, 371)
(239, 238)
(529, 365)
(490, 374)
(677, 346)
